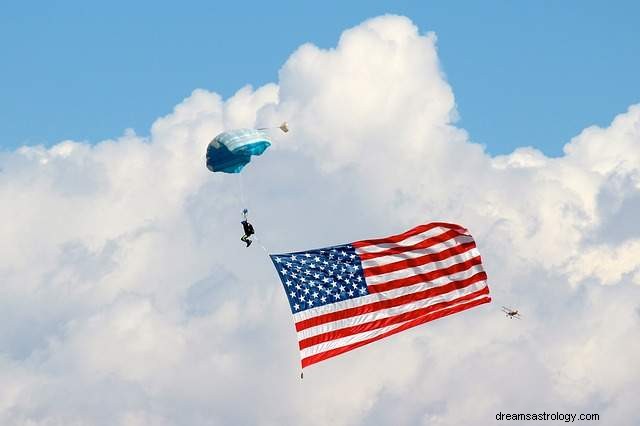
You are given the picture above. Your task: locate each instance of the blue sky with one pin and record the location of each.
(523, 73)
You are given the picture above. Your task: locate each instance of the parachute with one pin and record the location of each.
(230, 151)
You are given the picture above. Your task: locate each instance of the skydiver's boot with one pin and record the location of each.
(249, 242)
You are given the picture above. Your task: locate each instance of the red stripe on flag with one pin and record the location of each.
(429, 317)
(418, 261)
(396, 319)
(389, 303)
(414, 231)
(445, 236)
(426, 277)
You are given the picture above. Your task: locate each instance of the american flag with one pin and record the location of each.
(350, 295)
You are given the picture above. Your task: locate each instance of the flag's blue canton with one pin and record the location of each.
(319, 277)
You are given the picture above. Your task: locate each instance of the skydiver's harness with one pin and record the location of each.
(248, 228)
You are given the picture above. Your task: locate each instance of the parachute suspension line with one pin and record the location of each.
(243, 200)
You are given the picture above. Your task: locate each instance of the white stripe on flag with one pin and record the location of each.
(389, 294)
(422, 269)
(409, 241)
(355, 338)
(390, 312)
(385, 260)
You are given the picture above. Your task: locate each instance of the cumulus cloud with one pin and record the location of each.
(128, 299)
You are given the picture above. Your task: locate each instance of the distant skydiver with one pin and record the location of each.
(248, 229)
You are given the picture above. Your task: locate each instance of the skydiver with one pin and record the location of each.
(248, 229)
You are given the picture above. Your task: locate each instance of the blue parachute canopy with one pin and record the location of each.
(230, 151)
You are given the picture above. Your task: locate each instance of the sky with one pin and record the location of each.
(525, 74)
(127, 297)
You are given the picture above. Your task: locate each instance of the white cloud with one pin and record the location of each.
(128, 299)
